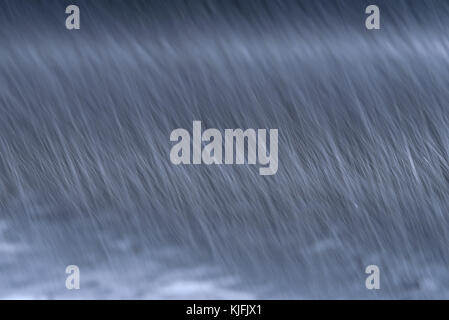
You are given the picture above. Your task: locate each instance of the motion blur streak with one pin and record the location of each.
(86, 178)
